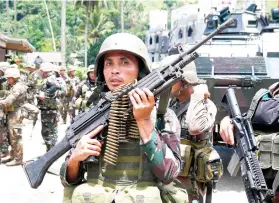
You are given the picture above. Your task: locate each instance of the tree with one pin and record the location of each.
(63, 31)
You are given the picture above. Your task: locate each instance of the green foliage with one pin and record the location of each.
(81, 73)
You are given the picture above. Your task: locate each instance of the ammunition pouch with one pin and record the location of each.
(265, 149)
(268, 144)
(186, 159)
(275, 152)
(208, 165)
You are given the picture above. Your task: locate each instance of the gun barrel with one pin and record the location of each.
(230, 100)
(219, 29)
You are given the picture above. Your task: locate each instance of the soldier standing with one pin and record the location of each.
(71, 89)
(196, 113)
(85, 89)
(47, 102)
(4, 142)
(13, 103)
(264, 116)
(150, 157)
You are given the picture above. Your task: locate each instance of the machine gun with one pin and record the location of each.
(157, 81)
(245, 149)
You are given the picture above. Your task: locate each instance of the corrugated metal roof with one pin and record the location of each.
(14, 44)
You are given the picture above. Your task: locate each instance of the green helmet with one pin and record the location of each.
(123, 42)
(12, 73)
(47, 67)
(189, 71)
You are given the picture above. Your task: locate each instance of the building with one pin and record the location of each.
(52, 57)
(13, 44)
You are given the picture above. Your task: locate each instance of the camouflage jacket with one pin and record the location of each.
(51, 102)
(72, 83)
(35, 82)
(16, 98)
(162, 152)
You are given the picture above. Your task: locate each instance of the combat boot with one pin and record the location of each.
(14, 162)
(6, 159)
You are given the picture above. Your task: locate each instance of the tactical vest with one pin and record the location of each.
(267, 141)
(131, 168)
(200, 161)
(86, 91)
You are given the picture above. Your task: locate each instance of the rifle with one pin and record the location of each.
(245, 149)
(157, 81)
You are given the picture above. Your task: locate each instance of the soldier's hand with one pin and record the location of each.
(202, 89)
(87, 146)
(143, 103)
(226, 130)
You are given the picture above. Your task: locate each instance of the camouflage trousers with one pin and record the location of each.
(49, 119)
(4, 142)
(15, 134)
(66, 107)
(95, 193)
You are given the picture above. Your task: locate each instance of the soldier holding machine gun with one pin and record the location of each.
(134, 157)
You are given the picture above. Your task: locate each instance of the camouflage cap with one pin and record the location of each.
(47, 67)
(4, 66)
(72, 68)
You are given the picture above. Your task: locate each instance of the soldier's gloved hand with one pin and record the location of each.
(87, 146)
(226, 130)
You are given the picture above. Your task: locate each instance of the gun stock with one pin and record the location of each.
(157, 81)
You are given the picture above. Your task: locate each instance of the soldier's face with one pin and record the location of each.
(62, 72)
(72, 73)
(92, 75)
(120, 67)
(11, 81)
(1, 73)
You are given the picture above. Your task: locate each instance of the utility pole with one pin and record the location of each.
(50, 26)
(8, 17)
(63, 31)
(122, 15)
(15, 17)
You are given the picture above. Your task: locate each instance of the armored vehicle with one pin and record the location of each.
(243, 56)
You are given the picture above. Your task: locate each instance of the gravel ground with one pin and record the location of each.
(15, 188)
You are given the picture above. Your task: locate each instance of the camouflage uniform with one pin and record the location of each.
(139, 167)
(13, 103)
(34, 84)
(197, 121)
(4, 88)
(71, 85)
(49, 105)
(264, 115)
(84, 90)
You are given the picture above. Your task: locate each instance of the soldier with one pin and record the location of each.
(151, 157)
(196, 113)
(264, 116)
(47, 101)
(85, 90)
(71, 89)
(4, 143)
(13, 104)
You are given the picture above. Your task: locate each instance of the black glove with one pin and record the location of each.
(50, 92)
